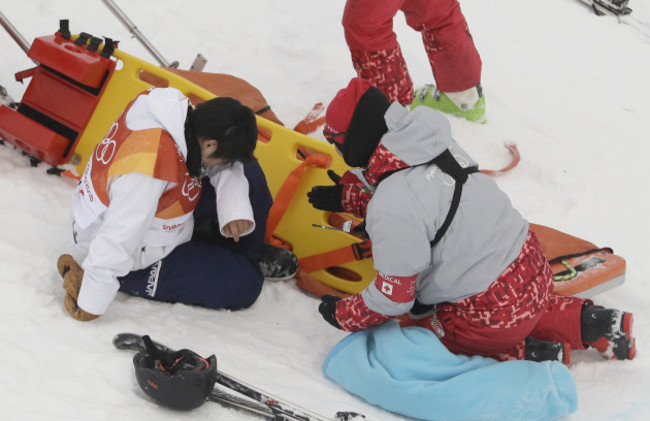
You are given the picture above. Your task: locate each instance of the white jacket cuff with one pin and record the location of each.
(231, 187)
(95, 296)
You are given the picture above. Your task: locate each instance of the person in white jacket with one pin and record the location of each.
(162, 168)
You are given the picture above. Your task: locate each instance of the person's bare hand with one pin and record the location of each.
(235, 228)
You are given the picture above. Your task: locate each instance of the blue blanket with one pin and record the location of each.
(409, 372)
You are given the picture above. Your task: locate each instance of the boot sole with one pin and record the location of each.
(280, 278)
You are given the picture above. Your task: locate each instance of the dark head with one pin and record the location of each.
(354, 121)
(228, 122)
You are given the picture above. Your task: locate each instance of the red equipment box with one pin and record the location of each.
(61, 97)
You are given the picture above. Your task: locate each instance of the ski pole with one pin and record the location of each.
(346, 227)
(128, 23)
(11, 30)
(246, 397)
(358, 230)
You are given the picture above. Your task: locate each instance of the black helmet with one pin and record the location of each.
(175, 379)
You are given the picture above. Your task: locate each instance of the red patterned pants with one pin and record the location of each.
(518, 304)
(376, 54)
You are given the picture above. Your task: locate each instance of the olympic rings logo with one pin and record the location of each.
(190, 189)
(106, 149)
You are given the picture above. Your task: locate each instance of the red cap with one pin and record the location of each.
(341, 108)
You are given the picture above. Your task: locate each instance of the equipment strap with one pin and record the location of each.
(448, 164)
(337, 257)
(94, 44)
(287, 190)
(64, 28)
(108, 49)
(83, 39)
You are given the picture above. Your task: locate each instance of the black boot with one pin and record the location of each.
(277, 264)
(609, 331)
(547, 351)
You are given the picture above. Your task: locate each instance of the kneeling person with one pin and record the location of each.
(448, 246)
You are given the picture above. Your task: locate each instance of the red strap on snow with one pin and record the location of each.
(515, 158)
(311, 121)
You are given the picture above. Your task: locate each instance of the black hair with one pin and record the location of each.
(231, 124)
(193, 160)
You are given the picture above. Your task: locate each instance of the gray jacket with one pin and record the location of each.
(410, 205)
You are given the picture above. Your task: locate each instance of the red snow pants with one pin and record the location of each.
(518, 304)
(377, 57)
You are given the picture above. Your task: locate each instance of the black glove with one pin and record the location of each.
(327, 309)
(327, 198)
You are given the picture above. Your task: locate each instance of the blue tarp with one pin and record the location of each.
(409, 372)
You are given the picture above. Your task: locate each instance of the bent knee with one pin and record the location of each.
(240, 293)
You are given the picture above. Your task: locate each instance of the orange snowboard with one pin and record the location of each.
(580, 267)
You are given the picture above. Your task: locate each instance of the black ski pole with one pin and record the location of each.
(263, 403)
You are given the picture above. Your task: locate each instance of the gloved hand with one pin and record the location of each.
(327, 309)
(327, 198)
(72, 275)
(353, 313)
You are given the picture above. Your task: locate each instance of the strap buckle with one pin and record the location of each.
(362, 250)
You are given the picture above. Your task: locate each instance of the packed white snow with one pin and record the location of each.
(569, 88)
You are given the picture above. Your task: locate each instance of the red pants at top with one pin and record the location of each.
(377, 57)
(518, 304)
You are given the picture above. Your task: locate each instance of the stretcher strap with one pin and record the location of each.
(356, 251)
(283, 198)
(287, 190)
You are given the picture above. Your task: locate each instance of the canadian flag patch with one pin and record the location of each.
(400, 289)
(387, 288)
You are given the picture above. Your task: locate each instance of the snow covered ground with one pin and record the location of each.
(570, 88)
